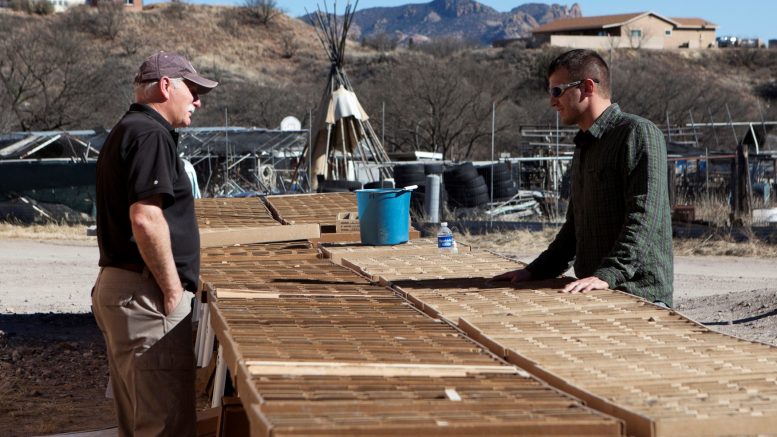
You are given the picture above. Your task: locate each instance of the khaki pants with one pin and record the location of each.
(150, 356)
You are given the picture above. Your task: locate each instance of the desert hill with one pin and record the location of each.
(73, 71)
(468, 20)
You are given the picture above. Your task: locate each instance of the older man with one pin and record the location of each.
(618, 229)
(149, 252)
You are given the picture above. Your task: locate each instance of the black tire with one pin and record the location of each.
(469, 191)
(338, 186)
(461, 173)
(501, 173)
(410, 170)
(379, 184)
(409, 174)
(477, 184)
(433, 168)
(468, 201)
(334, 190)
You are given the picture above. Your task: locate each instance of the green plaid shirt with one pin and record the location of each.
(618, 226)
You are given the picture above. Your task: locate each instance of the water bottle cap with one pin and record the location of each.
(444, 224)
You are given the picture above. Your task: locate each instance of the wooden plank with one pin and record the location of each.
(425, 418)
(232, 354)
(225, 293)
(330, 368)
(266, 234)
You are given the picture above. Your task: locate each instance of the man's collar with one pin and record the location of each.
(600, 126)
(140, 107)
(603, 122)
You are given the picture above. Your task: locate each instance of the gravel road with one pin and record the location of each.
(47, 276)
(57, 276)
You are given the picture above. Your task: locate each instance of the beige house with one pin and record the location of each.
(129, 5)
(638, 30)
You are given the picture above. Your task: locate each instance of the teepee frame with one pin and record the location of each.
(342, 136)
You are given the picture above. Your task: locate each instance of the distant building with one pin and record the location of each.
(63, 5)
(130, 5)
(646, 30)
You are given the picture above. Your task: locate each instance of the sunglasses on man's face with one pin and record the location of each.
(558, 90)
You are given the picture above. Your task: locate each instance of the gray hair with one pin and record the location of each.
(142, 88)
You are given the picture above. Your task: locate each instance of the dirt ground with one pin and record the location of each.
(53, 371)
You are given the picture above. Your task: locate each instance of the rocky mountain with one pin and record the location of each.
(465, 19)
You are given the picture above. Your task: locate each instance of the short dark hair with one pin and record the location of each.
(583, 64)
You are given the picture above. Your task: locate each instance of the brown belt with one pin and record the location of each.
(137, 268)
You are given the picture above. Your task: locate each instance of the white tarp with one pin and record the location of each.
(344, 104)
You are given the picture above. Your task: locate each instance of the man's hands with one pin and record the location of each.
(152, 236)
(515, 276)
(579, 286)
(586, 284)
(172, 300)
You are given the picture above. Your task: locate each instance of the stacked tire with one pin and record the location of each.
(412, 174)
(338, 186)
(378, 184)
(409, 174)
(465, 187)
(503, 185)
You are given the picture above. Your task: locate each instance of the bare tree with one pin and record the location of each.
(613, 42)
(440, 106)
(48, 79)
(105, 21)
(636, 36)
(253, 105)
(109, 20)
(264, 11)
(381, 41)
(289, 45)
(445, 46)
(131, 43)
(40, 7)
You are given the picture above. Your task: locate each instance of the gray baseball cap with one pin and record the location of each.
(174, 66)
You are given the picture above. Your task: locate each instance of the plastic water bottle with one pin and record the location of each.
(445, 238)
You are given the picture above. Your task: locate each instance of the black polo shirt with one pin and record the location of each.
(139, 159)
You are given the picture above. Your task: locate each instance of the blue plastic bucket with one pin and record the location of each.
(384, 215)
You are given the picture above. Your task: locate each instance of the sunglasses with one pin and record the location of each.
(558, 90)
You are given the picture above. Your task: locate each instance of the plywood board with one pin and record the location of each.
(654, 368)
(265, 234)
(230, 213)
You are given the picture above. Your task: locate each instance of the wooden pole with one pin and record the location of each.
(744, 193)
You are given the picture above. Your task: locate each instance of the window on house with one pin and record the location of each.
(668, 32)
(602, 33)
(129, 2)
(635, 33)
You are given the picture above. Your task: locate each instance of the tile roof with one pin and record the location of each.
(694, 22)
(599, 21)
(604, 21)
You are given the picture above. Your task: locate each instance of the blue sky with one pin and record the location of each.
(743, 18)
